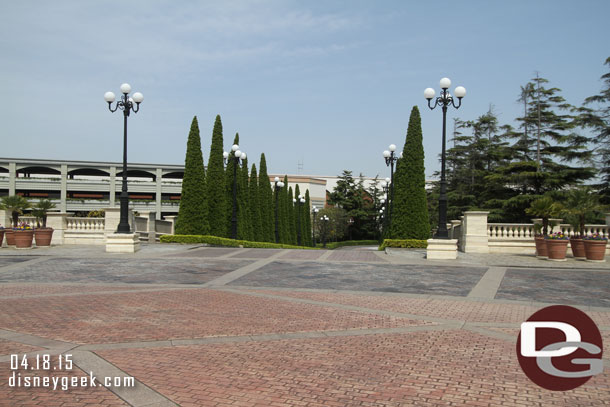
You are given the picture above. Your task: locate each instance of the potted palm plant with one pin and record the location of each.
(579, 203)
(14, 204)
(557, 246)
(546, 209)
(43, 234)
(23, 235)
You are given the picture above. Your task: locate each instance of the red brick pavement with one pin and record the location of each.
(423, 368)
(18, 290)
(173, 314)
(471, 311)
(8, 347)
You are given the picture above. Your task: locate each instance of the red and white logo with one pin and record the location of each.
(560, 348)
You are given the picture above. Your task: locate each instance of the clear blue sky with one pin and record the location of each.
(328, 83)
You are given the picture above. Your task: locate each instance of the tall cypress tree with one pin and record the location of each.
(229, 188)
(298, 214)
(215, 183)
(266, 203)
(290, 211)
(192, 215)
(255, 210)
(244, 216)
(307, 220)
(410, 208)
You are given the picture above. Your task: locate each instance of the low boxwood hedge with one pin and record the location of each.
(334, 245)
(404, 244)
(221, 241)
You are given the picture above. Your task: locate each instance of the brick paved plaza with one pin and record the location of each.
(203, 326)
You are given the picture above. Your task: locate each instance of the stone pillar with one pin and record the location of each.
(172, 219)
(63, 203)
(5, 219)
(112, 217)
(12, 179)
(152, 227)
(474, 227)
(112, 186)
(441, 249)
(159, 179)
(454, 224)
(59, 222)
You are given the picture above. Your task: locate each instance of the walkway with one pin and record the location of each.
(201, 326)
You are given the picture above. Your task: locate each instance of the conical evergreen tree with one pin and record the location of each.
(410, 208)
(291, 237)
(192, 215)
(255, 210)
(215, 183)
(230, 170)
(307, 219)
(244, 216)
(266, 203)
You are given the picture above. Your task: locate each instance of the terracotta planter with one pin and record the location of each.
(10, 237)
(578, 248)
(1, 236)
(557, 249)
(23, 238)
(595, 250)
(43, 236)
(541, 251)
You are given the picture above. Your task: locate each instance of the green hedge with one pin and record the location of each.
(221, 241)
(334, 245)
(404, 244)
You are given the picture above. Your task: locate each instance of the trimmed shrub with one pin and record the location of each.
(335, 245)
(221, 241)
(404, 244)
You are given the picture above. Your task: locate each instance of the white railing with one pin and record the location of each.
(525, 231)
(589, 230)
(30, 220)
(510, 231)
(77, 224)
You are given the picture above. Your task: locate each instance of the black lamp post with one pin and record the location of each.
(299, 201)
(324, 220)
(278, 184)
(315, 213)
(126, 104)
(390, 159)
(444, 100)
(237, 156)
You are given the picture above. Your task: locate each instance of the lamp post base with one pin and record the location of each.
(122, 243)
(441, 249)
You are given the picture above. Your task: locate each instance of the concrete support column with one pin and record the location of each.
(59, 222)
(112, 186)
(12, 178)
(159, 180)
(474, 227)
(151, 226)
(63, 205)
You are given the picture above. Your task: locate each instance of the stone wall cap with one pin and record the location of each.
(477, 212)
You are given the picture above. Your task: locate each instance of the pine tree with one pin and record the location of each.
(599, 121)
(192, 215)
(266, 203)
(255, 209)
(215, 183)
(410, 210)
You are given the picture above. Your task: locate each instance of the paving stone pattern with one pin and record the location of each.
(440, 280)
